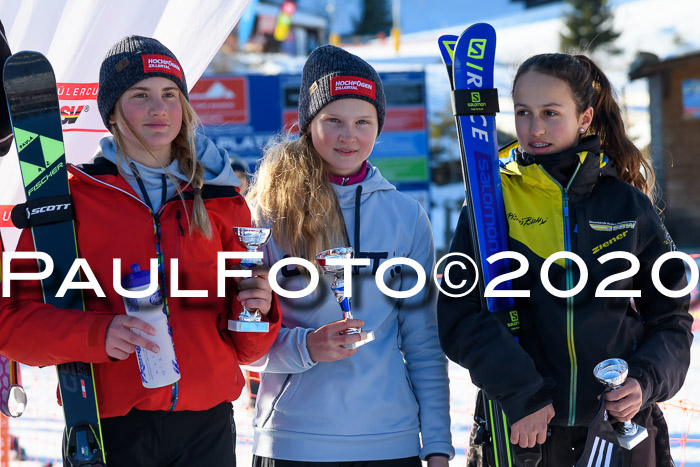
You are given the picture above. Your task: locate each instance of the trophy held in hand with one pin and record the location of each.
(613, 373)
(252, 238)
(338, 287)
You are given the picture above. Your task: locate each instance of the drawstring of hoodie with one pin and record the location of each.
(358, 196)
(144, 192)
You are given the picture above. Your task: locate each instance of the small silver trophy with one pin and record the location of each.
(13, 399)
(338, 287)
(613, 373)
(252, 238)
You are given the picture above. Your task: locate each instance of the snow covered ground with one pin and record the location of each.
(39, 429)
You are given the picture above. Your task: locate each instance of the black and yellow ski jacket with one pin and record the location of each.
(561, 340)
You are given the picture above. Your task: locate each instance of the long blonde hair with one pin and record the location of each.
(185, 153)
(292, 193)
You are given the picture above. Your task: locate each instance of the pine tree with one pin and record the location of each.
(375, 18)
(589, 27)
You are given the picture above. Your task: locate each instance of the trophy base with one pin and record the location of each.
(367, 337)
(248, 326)
(630, 441)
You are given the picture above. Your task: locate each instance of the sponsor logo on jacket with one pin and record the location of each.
(606, 244)
(611, 227)
(528, 220)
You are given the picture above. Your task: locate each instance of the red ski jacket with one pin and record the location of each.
(112, 222)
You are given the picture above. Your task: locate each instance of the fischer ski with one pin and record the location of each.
(469, 60)
(30, 86)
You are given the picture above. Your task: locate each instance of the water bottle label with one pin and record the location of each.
(132, 305)
(142, 364)
(156, 299)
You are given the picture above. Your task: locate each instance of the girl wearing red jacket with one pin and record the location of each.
(154, 190)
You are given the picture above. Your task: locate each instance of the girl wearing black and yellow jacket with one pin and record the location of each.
(574, 182)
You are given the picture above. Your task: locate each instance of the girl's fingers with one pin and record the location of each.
(118, 354)
(132, 322)
(256, 304)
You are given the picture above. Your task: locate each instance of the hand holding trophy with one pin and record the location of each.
(338, 287)
(613, 373)
(252, 238)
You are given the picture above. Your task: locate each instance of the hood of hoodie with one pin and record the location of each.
(215, 161)
(373, 182)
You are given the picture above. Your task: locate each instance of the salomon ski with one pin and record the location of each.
(469, 59)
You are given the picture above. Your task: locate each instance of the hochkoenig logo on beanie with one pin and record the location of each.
(352, 85)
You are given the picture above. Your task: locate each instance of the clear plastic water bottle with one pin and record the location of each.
(157, 369)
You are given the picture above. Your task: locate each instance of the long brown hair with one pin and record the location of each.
(591, 88)
(184, 152)
(291, 192)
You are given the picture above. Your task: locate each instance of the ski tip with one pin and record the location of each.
(447, 43)
(478, 27)
(484, 30)
(21, 64)
(25, 56)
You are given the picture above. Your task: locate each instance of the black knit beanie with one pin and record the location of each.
(331, 73)
(132, 59)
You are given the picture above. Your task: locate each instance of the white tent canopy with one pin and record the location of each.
(75, 35)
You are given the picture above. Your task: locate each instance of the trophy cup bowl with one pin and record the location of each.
(17, 401)
(14, 401)
(338, 287)
(252, 238)
(613, 373)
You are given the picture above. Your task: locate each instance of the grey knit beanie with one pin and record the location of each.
(132, 59)
(330, 73)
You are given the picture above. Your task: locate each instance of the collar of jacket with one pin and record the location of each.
(103, 171)
(593, 164)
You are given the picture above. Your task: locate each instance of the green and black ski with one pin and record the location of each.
(32, 99)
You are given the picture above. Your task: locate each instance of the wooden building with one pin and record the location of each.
(674, 111)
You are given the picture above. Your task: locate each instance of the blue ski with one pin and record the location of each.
(469, 59)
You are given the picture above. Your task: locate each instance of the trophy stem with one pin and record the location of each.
(613, 373)
(252, 238)
(338, 288)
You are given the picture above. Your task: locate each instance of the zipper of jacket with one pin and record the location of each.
(174, 395)
(573, 364)
(178, 216)
(570, 310)
(277, 398)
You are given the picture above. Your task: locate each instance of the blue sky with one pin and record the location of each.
(419, 15)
